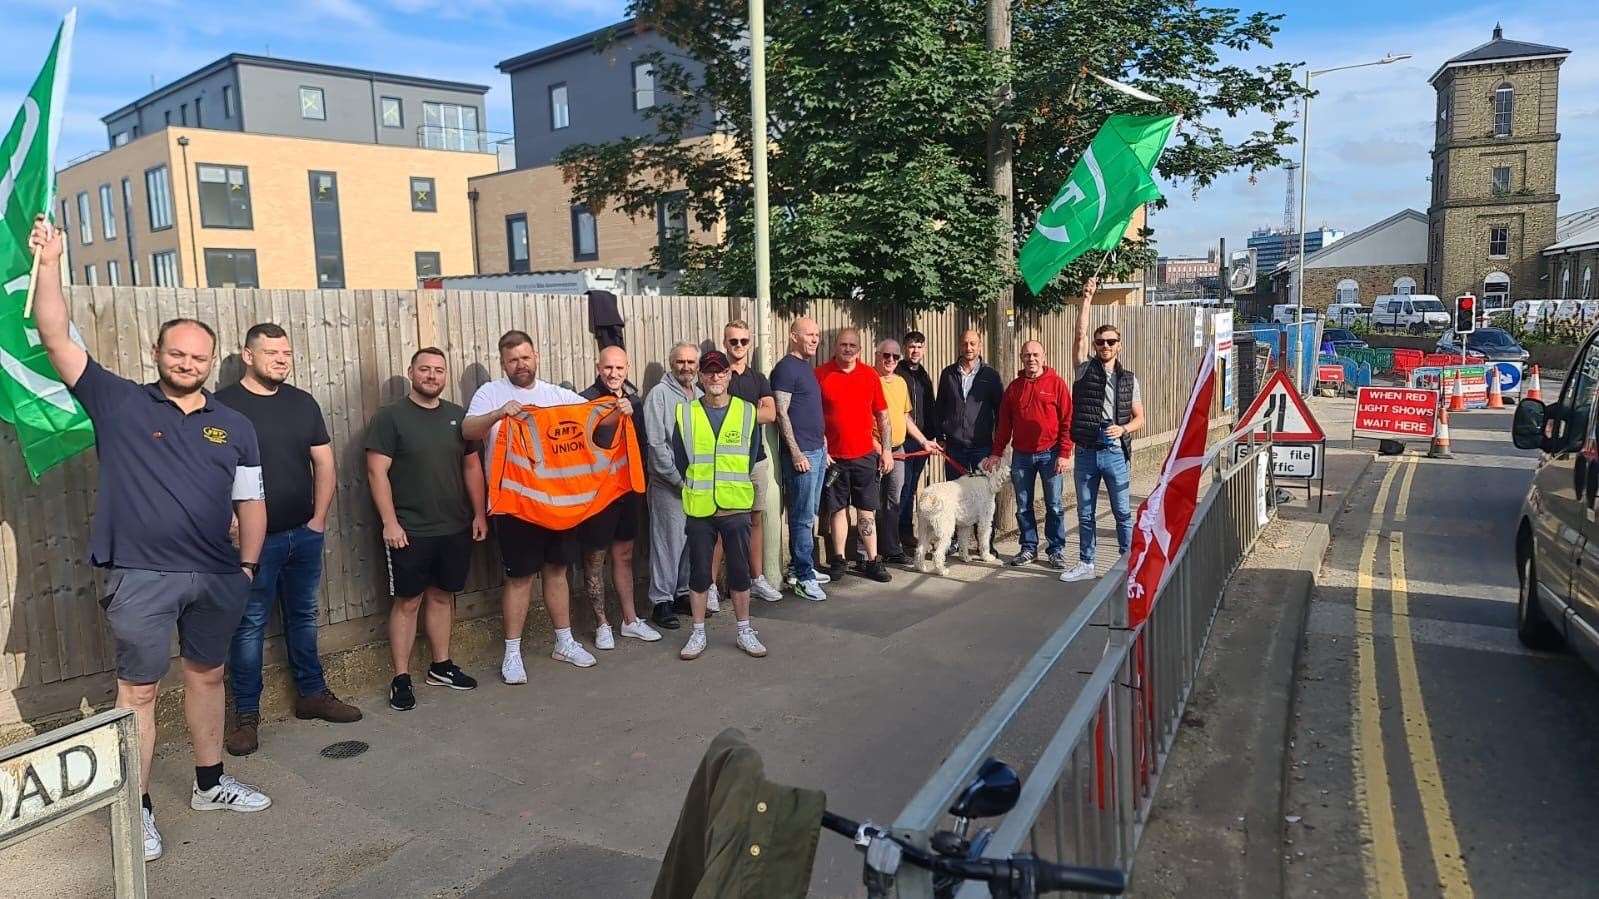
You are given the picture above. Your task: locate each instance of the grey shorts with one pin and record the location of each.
(758, 475)
(143, 606)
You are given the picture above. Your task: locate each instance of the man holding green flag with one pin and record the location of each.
(1108, 184)
(51, 425)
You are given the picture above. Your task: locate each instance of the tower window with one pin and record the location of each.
(1504, 103)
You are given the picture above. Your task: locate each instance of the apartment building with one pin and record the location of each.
(259, 172)
(593, 88)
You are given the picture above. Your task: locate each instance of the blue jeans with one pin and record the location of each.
(1023, 468)
(803, 492)
(291, 569)
(1108, 464)
(907, 496)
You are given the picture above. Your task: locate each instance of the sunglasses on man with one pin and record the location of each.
(894, 356)
(1107, 341)
(738, 341)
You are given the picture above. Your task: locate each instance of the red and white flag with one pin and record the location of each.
(1162, 522)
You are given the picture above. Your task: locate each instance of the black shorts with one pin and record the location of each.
(424, 562)
(852, 482)
(526, 548)
(619, 522)
(734, 530)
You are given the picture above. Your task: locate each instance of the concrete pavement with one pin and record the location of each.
(571, 785)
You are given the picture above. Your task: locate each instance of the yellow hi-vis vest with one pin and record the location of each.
(718, 476)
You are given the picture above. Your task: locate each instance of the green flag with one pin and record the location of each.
(1108, 184)
(50, 424)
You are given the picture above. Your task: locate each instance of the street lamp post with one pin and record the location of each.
(765, 354)
(1304, 200)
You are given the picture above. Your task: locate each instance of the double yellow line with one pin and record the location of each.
(1384, 866)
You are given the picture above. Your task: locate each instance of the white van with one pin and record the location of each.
(1345, 314)
(1286, 314)
(1416, 313)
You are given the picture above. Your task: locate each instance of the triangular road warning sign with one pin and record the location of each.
(1281, 405)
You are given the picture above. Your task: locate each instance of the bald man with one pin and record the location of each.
(1035, 420)
(854, 410)
(803, 461)
(613, 531)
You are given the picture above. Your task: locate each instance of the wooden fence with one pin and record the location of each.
(351, 351)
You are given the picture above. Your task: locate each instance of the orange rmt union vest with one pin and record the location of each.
(547, 469)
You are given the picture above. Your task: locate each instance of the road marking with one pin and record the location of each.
(1404, 491)
(1333, 619)
(1385, 874)
(1452, 877)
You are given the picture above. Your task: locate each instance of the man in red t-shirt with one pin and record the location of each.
(853, 410)
(1035, 419)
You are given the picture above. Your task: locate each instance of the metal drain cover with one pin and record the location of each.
(345, 749)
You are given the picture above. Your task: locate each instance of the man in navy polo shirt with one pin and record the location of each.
(175, 469)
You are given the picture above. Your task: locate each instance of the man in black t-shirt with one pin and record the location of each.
(752, 387)
(297, 464)
(427, 485)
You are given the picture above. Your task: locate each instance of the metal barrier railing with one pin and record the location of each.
(1087, 797)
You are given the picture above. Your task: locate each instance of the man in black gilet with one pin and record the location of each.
(1107, 409)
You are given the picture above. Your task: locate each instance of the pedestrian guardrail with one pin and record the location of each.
(69, 772)
(1087, 798)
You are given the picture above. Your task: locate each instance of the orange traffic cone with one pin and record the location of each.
(1440, 436)
(1457, 399)
(1495, 399)
(1533, 390)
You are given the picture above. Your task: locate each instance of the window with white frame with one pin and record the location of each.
(85, 220)
(560, 112)
(1501, 180)
(89, 276)
(1504, 105)
(165, 268)
(113, 274)
(1565, 282)
(450, 126)
(158, 197)
(1405, 286)
(108, 213)
(1499, 241)
(1347, 291)
(1496, 286)
(1587, 282)
(643, 85)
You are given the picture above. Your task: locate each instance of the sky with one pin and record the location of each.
(1371, 129)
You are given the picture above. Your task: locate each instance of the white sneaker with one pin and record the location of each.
(603, 638)
(713, 602)
(763, 589)
(228, 794)
(693, 648)
(152, 837)
(573, 652)
(511, 669)
(1082, 571)
(822, 577)
(809, 590)
(749, 641)
(639, 630)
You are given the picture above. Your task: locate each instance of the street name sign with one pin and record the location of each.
(1395, 413)
(1281, 407)
(1473, 382)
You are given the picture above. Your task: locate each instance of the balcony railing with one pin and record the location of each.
(447, 137)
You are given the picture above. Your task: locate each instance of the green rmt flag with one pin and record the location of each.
(50, 424)
(1091, 211)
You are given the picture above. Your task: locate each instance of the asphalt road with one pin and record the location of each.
(1433, 754)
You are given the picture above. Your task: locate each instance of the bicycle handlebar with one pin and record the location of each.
(1044, 875)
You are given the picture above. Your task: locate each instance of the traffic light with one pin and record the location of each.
(1465, 314)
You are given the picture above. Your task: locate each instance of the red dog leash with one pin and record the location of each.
(947, 460)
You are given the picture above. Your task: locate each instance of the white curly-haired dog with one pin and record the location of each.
(964, 502)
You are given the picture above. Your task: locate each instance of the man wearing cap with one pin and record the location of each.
(713, 449)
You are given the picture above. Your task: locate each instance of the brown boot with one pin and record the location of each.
(244, 739)
(327, 707)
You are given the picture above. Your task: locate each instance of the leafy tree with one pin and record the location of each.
(878, 114)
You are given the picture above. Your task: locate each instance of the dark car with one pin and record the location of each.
(1342, 339)
(1493, 344)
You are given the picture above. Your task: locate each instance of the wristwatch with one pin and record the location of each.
(253, 567)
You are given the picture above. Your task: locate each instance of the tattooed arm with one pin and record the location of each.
(786, 426)
(886, 462)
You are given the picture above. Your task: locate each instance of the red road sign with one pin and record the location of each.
(1280, 405)
(1396, 413)
(1330, 373)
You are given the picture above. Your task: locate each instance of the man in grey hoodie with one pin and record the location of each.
(667, 535)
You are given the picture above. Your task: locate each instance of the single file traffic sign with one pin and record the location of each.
(1281, 407)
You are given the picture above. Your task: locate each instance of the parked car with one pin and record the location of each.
(1342, 339)
(1287, 313)
(1414, 313)
(1557, 538)
(1493, 344)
